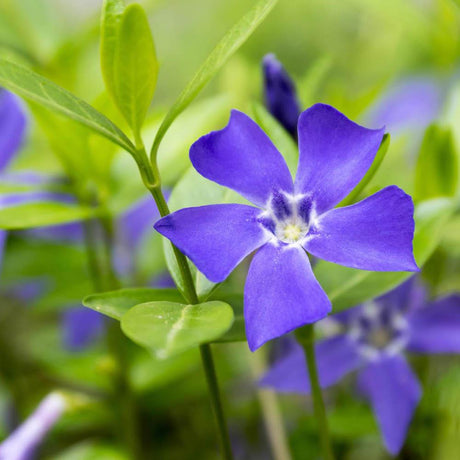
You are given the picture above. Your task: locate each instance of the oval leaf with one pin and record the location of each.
(170, 328)
(116, 303)
(32, 86)
(135, 66)
(229, 44)
(112, 12)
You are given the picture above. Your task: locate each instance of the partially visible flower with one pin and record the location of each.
(280, 94)
(289, 218)
(22, 443)
(374, 338)
(12, 127)
(410, 104)
(80, 327)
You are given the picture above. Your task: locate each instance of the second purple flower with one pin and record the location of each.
(291, 217)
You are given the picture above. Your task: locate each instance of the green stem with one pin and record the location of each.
(151, 178)
(104, 279)
(306, 337)
(216, 403)
(271, 410)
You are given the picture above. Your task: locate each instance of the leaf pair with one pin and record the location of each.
(128, 60)
(165, 326)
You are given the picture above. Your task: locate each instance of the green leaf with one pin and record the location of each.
(229, 44)
(347, 287)
(136, 67)
(436, 170)
(112, 12)
(379, 156)
(116, 303)
(42, 214)
(279, 136)
(32, 86)
(311, 81)
(170, 328)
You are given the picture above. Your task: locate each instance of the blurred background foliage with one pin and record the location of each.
(353, 54)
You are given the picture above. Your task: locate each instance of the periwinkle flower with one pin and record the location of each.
(22, 443)
(280, 94)
(80, 327)
(373, 340)
(289, 218)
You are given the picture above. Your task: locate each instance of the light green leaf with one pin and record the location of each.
(32, 86)
(112, 12)
(169, 328)
(279, 136)
(436, 170)
(136, 66)
(379, 156)
(42, 214)
(116, 303)
(347, 287)
(229, 44)
(311, 81)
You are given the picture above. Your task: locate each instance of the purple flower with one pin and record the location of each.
(12, 131)
(281, 292)
(21, 444)
(280, 94)
(373, 339)
(410, 104)
(81, 326)
(12, 127)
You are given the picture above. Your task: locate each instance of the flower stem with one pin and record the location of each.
(306, 337)
(213, 387)
(151, 178)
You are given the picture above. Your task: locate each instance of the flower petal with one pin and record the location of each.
(336, 357)
(12, 127)
(280, 94)
(374, 234)
(335, 153)
(216, 237)
(281, 294)
(394, 392)
(80, 327)
(243, 158)
(436, 328)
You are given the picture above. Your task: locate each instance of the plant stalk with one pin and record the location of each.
(151, 178)
(306, 337)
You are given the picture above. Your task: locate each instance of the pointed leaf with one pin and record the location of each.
(136, 66)
(112, 12)
(436, 170)
(229, 44)
(169, 328)
(32, 86)
(116, 303)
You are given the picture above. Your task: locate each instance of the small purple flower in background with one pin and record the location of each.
(21, 444)
(280, 94)
(12, 130)
(80, 327)
(373, 339)
(281, 292)
(12, 127)
(410, 104)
